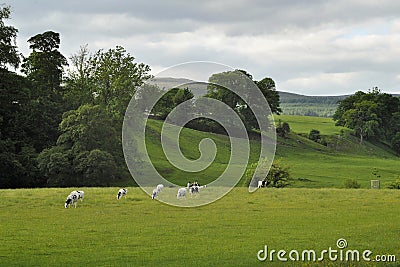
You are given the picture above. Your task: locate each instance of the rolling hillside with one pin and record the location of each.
(311, 164)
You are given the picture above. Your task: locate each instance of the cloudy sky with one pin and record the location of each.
(308, 47)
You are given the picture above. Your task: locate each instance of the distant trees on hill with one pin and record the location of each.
(372, 115)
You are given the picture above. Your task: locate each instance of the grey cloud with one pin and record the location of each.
(304, 45)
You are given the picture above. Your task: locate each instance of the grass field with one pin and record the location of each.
(314, 165)
(303, 124)
(310, 164)
(36, 230)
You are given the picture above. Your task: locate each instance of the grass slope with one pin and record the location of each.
(36, 230)
(311, 164)
(189, 141)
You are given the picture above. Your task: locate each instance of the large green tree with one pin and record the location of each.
(234, 79)
(116, 77)
(109, 78)
(372, 115)
(8, 47)
(87, 151)
(363, 119)
(79, 81)
(170, 100)
(44, 69)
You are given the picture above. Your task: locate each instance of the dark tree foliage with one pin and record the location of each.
(8, 34)
(282, 129)
(233, 79)
(314, 135)
(87, 151)
(170, 100)
(17, 156)
(278, 175)
(372, 115)
(44, 69)
(268, 88)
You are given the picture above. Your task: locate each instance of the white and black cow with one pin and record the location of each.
(122, 193)
(72, 199)
(263, 184)
(155, 193)
(80, 194)
(194, 189)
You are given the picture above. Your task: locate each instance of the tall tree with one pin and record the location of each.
(116, 76)
(17, 156)
(234, 79)
(8, 47)
(362, 118)
(79, 82)
(44, 68)
(268, 88)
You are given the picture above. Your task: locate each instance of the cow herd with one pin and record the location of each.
(193, 188)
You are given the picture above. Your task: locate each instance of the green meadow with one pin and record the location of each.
(36, 230)
(310, 164)
(314, 165)
(311, 214)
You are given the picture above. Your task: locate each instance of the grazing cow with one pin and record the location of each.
(72, 199)
(263, 184)
(122, 192)
(181, 193)
(155, 193)
(80, 194)
(194, 189)
(159, 187)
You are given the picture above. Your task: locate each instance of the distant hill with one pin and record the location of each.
(302, 105)
(291, 103)
(198, 89)
(318, 106)
(296, 98)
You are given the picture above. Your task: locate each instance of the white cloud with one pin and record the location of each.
(306, 46)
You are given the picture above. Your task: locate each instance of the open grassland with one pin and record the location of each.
(36, 230)
(304, 124)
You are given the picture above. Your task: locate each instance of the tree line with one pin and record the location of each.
(59, 126)
(373, 116)
(61, 119)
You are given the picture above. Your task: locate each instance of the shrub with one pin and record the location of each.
(278, 175)
(282, 129)
(394, 184)
(351, 183)
(314, 135)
